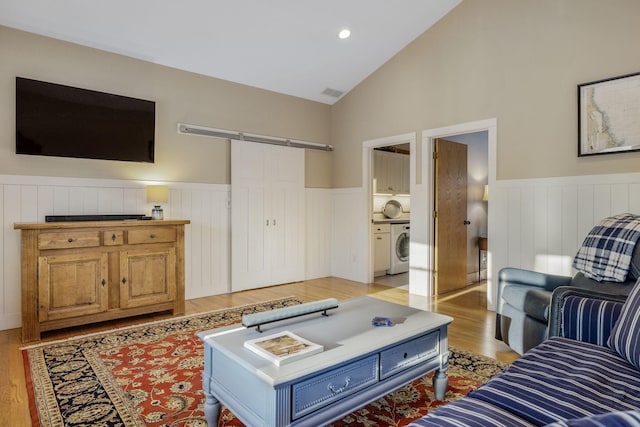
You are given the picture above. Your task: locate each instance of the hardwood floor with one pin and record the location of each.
(472, 328)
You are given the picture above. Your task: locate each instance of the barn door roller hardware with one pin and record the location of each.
(229, 134)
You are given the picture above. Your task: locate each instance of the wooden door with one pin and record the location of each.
(148, 276)
(451, 216)
(73, 285)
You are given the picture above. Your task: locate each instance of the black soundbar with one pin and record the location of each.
(113, 217)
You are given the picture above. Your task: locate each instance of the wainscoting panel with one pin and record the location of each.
(319, 226)
(351, 225)
(539, 224)
(207, 239)
(11, 290)
(534, 224)
(29, 199)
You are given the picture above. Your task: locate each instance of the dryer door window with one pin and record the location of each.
(402, 247)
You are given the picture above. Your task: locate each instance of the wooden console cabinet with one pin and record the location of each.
(75, 273)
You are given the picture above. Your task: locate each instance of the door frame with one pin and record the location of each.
(367, 180)
(422, 283)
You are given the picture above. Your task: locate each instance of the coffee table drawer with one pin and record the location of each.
(314, 393)
(408, 354)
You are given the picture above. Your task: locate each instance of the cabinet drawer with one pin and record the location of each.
(408, 354)
(317, 392)
(151, 235)
(381, 228)
(71, 239)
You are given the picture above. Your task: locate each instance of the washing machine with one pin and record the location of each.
(399, 248)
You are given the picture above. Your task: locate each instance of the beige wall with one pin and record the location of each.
(180, 97)
(518, 61)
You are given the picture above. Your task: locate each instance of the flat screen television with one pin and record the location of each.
(65, 121)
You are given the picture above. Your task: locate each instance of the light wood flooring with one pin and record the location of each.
(472, 328)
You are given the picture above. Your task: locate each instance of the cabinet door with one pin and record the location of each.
(406, 175)
(382, 248)
(394, 172)
(148, 277)
(391, 172)
(381, 172)
(72, 285)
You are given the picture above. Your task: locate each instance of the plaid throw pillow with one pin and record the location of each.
(625, 335)
(606, 252)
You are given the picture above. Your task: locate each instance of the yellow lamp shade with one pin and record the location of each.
(157, 194)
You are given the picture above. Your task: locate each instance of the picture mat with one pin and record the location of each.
(283, 347)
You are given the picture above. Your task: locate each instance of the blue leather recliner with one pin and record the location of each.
(524, 297)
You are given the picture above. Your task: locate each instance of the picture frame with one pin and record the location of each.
(609, 115)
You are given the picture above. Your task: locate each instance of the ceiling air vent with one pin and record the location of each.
(332, 92)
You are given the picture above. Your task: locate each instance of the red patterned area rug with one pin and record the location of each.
(150, 375)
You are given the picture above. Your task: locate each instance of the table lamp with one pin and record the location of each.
(157, 194)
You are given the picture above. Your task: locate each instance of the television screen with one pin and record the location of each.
(57, 120)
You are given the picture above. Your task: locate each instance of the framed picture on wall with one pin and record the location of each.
(609, 115)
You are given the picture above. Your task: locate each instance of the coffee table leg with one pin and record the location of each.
(440, 382)
(211, 410)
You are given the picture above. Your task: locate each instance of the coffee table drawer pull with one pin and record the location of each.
(341, 389)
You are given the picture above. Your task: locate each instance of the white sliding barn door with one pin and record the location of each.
(267, 215)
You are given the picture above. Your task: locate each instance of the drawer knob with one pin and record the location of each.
(405, 355)
(104, 282)
(153, 236)
(70, 240)
(124, 280)
(340, 389)
(113, 237)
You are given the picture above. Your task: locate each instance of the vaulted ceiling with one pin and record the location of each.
(287, 46)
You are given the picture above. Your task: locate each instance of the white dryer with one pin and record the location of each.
(399, 248)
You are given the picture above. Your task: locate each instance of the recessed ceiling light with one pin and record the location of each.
(344, 34)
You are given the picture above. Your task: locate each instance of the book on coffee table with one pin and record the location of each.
(283, 347)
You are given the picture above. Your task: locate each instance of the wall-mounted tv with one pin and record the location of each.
(65, 121)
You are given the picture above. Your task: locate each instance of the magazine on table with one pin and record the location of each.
(283, 347)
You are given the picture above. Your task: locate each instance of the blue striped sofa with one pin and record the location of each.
(571, 379)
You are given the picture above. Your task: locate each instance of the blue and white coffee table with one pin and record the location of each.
(359, 364)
